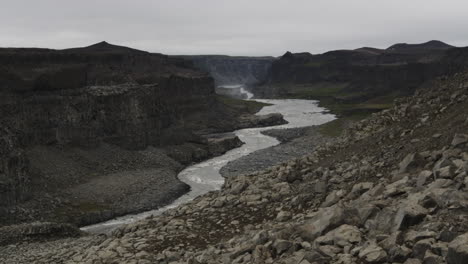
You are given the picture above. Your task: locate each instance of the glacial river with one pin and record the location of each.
(205, 177)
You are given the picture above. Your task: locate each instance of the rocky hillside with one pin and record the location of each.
(228, 70)
(72, 120)
(365, 75)
(392, 189)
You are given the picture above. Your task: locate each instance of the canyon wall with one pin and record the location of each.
(227, 70)
(361, 74)
(93, 98)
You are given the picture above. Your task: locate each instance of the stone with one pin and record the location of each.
(321, 187)
(238, 187)
(420, 247)
(414, 236)
(459, 139)
(372, 253)
(458, 250)
(282, 246)
(410, 162)
(443, 168)
(345, 235)
(323, 221)
(399, 253)
(333, 198)
(260, 238)
(412, 261)
(362, 187)
(396, 188)
(283, 216)
(316, 256)
(423, 178)
(408, 215)
(431, 258)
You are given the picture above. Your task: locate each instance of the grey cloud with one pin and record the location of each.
(240, 27)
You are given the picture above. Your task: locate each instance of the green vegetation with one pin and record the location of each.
(317, 91)
(338, 100)
(251, 106)
(90, 207)
(80, 208)
(336, 127)
(348, 106)
(314, 64)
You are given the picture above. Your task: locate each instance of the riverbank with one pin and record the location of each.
(295, 143)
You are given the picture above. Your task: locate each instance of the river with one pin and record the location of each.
(205, 177)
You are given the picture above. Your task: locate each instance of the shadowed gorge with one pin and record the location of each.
(72, 116)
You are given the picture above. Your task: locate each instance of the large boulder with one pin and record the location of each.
(372, 253)
(458, 250)
(408, 215)
(323, 221)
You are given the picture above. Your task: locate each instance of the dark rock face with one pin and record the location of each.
(101, 94)
(228, 70)
(357, 75)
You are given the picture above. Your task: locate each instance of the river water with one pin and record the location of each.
(205, 177)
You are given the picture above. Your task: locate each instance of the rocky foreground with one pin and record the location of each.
(392, 189)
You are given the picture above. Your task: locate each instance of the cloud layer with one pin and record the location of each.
(240, 27)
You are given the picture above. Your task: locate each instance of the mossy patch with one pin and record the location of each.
(81, 208)
(336, 127)
(251, 106)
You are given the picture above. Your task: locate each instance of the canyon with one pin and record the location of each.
(73, 120)
(386, 182)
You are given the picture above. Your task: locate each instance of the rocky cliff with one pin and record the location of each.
(228, 70)
(362, 74)
(62, 109)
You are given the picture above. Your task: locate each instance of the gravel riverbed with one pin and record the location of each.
(295, 142)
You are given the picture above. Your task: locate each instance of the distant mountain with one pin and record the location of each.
(105, 47)
(430, 45)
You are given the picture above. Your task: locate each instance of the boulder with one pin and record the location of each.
(423, 178)
(372, 253)
(346, 235)
(333, 198)
(361, 188)
(422, 246)
(408, 215)
(282, 246)
(283, 216)
(323, 221)
(458, 250)
(410, 162)
(459, 139)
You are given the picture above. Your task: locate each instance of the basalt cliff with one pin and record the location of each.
(90, 133)
(365, 75)
(229, 70)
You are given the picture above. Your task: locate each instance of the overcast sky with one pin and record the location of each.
(234, 27)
